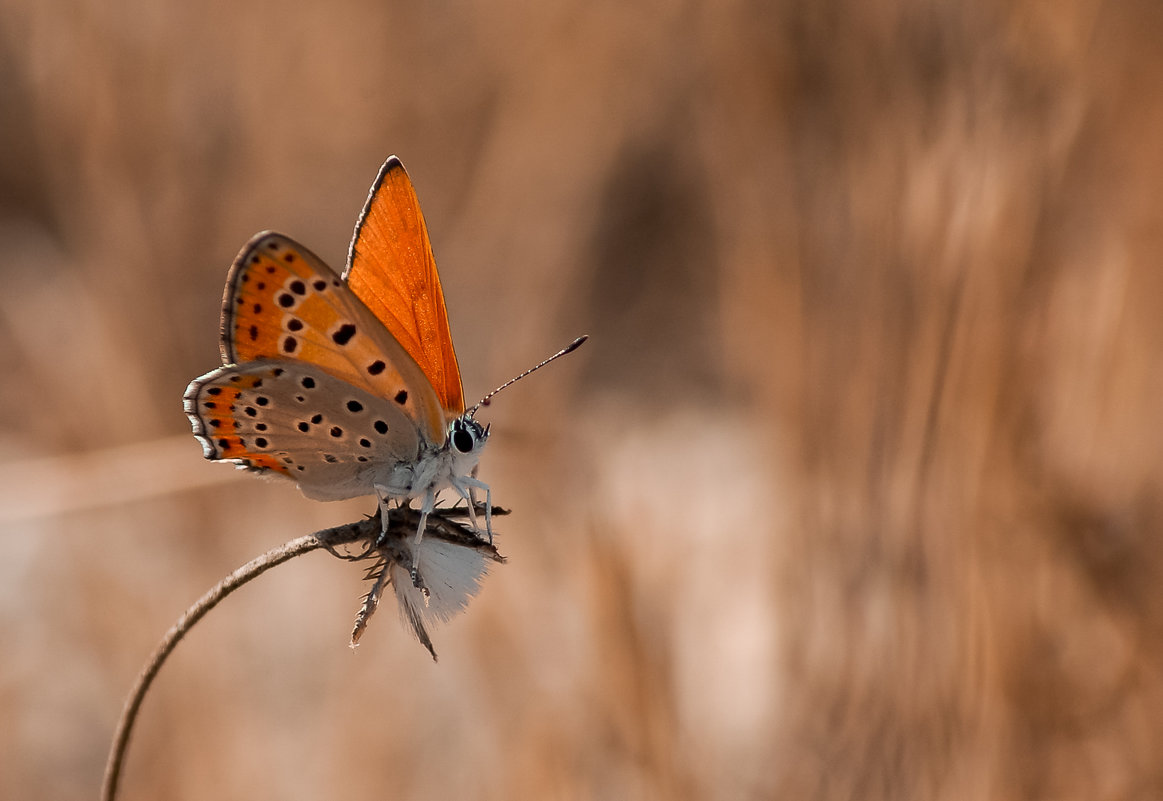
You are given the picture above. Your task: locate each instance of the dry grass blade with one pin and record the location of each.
(391, 549)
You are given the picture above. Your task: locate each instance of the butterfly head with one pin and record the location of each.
(466, 438)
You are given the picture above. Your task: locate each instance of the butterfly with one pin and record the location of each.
(349, 385)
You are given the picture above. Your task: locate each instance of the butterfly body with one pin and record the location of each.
(347, 385)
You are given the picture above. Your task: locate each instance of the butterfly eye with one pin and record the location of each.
(462, 440)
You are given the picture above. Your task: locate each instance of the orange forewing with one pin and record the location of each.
(283, 302)
(252, 317)
(392, 270)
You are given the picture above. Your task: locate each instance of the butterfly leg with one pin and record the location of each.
(385, 505)
(426, 507)
(488, 502)
(470, 502)
(465, 487)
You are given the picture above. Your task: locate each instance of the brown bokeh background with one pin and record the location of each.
(855, 493)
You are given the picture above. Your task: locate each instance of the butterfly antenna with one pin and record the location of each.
(572, 346)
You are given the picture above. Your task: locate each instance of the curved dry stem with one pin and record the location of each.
(328, 538)
(401, 528)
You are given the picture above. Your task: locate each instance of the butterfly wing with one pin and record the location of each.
(283, 302)
(392, 270)
(299, 421)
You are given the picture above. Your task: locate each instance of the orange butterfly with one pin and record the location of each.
(350, 386)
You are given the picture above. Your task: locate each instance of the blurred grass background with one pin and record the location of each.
(855, 493)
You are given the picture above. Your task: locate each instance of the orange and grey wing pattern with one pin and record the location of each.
(282, 302)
